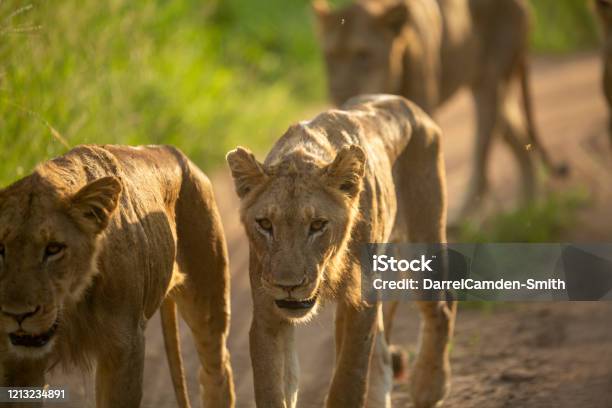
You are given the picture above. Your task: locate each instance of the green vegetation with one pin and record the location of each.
(543, 221)
(563, 25)
(204, 75)
(546, 220)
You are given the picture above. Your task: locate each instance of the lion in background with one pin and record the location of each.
(369, 172)
(426, 50)
(91, 244)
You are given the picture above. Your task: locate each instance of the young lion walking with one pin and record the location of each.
(370, 172)
(91, 244)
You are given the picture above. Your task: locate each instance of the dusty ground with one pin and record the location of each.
(537, 355)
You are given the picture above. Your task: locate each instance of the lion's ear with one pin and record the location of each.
(93, 205)
(347, 170)
(246, 170)
(395, 17)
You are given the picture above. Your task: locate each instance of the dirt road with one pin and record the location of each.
(539, 355)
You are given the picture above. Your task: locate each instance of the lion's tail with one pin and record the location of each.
(560, 169)
(173, 351)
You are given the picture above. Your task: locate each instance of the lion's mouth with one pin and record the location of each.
(294, 304)
(24, 339)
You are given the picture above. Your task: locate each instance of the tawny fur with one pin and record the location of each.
(138, 226)
(373, 171)
(426, 50)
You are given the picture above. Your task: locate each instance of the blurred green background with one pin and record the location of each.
(202, 75)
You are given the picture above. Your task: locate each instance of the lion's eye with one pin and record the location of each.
(53, 248)
(317, 225)
(265, 224)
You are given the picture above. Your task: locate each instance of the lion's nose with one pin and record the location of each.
(20, 315)
(289, 285)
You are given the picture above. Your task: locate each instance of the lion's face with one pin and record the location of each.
(48, 245)
(361, 47)
(298, 217)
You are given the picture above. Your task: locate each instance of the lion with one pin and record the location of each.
(426, 51)
(94, 242)
(603, 9)
(369, 172)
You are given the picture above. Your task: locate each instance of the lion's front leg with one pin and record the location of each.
(119, 373)
(275, 363)
(431, 372)
(381, 370)
(350, 382)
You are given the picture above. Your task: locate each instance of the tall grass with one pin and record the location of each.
(548, 219)
(204, 75)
